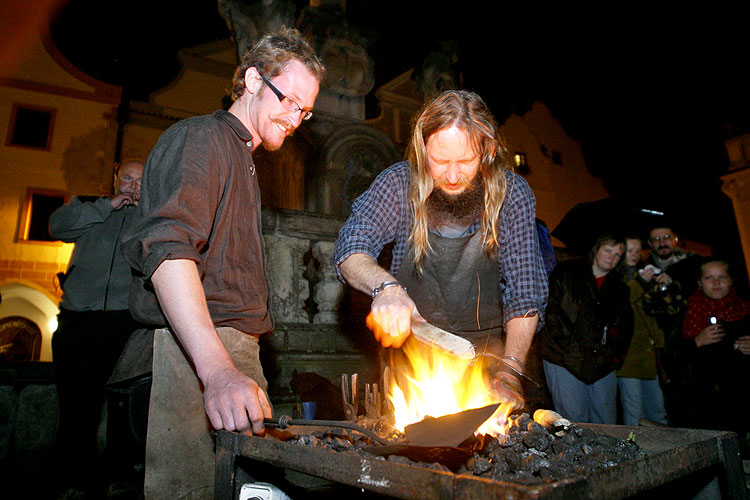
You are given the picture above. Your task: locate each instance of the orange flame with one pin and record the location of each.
(427, 381)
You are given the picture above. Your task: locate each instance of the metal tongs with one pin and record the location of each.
(284, 421)
(349, 396)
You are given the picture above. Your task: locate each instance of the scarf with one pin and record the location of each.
(700, 308)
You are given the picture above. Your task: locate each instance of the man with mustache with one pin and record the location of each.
(465, 254)
(671, 280)
(668, 257)
(200, 275)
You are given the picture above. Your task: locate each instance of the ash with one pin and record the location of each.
(528, 454)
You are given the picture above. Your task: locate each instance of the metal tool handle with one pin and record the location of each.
(285, 421)
(349, 396)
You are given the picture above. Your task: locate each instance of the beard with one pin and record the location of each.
(461, 208)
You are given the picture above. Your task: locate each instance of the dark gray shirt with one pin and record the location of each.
(98, 278)
(200, 201)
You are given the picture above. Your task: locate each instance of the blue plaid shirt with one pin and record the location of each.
(382, 215)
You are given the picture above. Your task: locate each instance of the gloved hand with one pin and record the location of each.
(506, 387)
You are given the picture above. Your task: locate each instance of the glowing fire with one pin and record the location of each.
(428, 381)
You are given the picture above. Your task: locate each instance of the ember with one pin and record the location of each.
(526, 454)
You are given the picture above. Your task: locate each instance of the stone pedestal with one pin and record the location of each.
(328, 291)
(736, 185)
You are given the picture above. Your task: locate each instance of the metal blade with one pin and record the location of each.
(448, 430)
(431, 335)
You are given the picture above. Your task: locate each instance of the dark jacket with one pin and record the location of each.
(588, 331)
(98, 277)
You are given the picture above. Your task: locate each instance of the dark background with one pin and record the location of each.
(650, 93)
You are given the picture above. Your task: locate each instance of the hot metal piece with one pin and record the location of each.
(448, 430)
(436, 337)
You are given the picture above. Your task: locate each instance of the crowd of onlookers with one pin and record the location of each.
(658, 340)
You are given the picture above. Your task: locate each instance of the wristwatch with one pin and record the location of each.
(385, 285)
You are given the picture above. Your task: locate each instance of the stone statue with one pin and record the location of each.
(438, 71)
(248, 20)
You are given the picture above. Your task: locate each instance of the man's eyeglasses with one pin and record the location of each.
(287, 101)
(657, 239)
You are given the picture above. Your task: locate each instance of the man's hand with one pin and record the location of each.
(122, 200)
(392, 312)
(647, 273)
(663, 278)
(743, 345)
(709, 335)
(507, 388)
(233, 401)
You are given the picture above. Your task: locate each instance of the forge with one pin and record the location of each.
(669, 458)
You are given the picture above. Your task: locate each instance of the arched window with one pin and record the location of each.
(20, 339)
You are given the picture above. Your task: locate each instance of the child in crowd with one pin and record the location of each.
(717, 327)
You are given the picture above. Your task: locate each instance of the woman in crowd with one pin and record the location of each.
(638, 381)
(587, 332)
(717, 325)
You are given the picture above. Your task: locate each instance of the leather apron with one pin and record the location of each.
(458, 288)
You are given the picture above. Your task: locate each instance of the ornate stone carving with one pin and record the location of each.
(248, 20)
(328, 290)
(351, 157)
(285, 262)
(350, 71)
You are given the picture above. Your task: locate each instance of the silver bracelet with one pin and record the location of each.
(513, 358)
(385, 285)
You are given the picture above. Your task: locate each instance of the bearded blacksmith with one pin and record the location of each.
(465, 251)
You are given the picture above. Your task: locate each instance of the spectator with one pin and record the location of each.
(671, 279)
(94, 322)
(587, 333)
(637, 379)
(720, 348)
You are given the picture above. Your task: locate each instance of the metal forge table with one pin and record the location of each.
(672, 455)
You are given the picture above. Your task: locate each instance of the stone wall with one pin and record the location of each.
(38, 272)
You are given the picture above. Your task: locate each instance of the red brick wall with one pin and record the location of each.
(40, 273)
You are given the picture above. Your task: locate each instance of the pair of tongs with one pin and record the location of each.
(349, 396)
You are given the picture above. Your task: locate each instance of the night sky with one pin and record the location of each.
(649, 93)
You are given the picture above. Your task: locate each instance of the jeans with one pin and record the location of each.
(641, 398)
(580, 402)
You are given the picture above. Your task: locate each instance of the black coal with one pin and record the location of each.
(527, 454)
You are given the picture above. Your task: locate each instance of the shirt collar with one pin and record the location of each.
(237, 126)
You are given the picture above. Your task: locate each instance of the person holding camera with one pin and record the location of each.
(670, 277)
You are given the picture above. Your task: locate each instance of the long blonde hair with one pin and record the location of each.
(467, 111)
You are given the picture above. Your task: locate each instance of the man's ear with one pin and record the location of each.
(253, 81)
